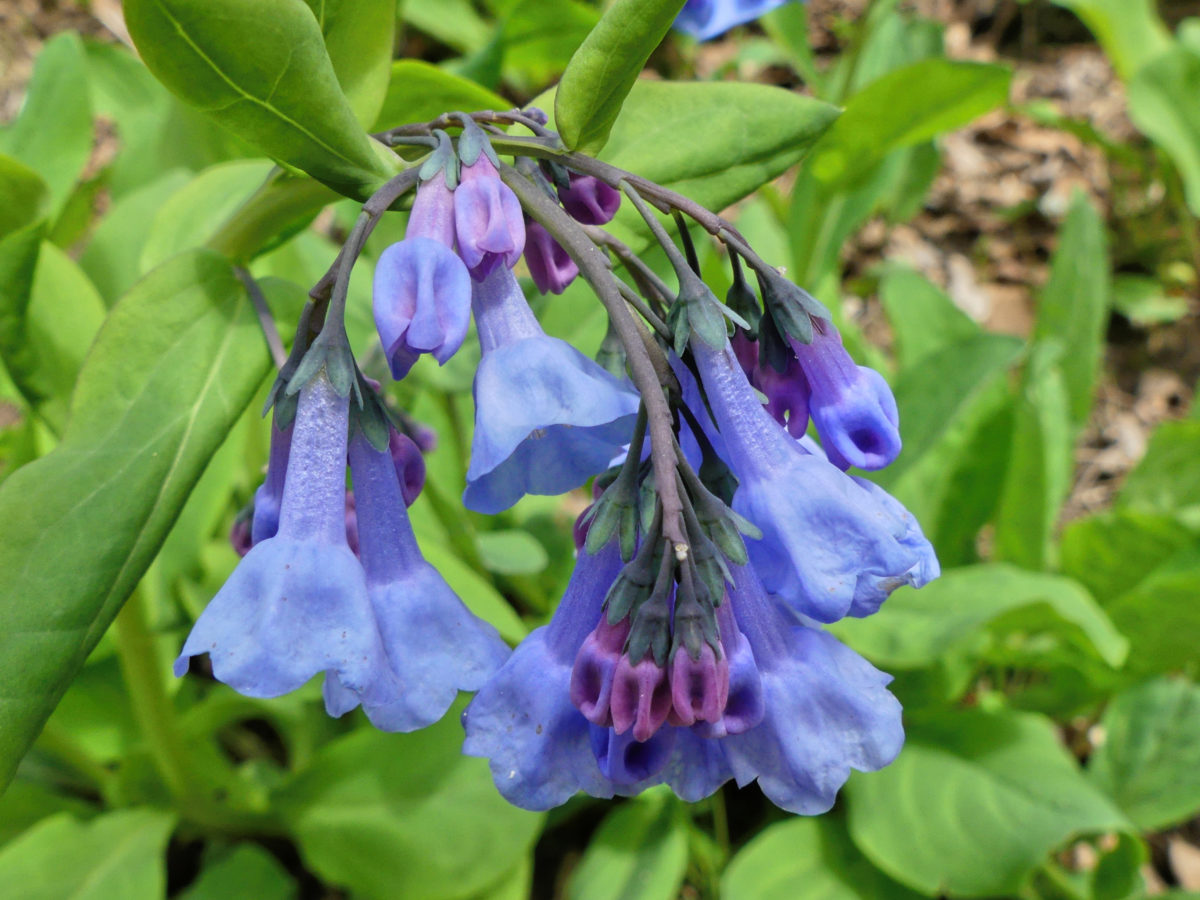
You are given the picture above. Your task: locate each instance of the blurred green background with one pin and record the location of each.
(1004, 221)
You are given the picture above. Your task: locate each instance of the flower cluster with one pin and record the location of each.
(687, 648)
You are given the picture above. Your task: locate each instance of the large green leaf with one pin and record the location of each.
(1149, 760)
(1130, 31)
(1162, 104)
(904, 108)
(119, 856)
(392, 815)
(26, 197)
(1167, 480)
(259, 67)
(923, 319)
(247, 871)
(639, 852)
(1073, 308)
(1160, 615)
(604, 68)
(173, 367)
(53, 134)
(359, 38)
(420, 91)
(807, 858)
(975, 802)
(1111, 552)
(917, 628)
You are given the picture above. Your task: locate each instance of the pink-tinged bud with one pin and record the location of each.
(744, 705)
(410, 465)
(487, 219)
(699, 687)
(550, 265)
(589, 200)
(432, 214)
(641, 697)
(595, 666)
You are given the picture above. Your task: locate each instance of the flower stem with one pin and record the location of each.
(152, 707)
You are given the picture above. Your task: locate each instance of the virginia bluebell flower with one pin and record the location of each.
(705, 19)
(434, 646)
(851, 405)
(829, 547)
(547, 418)
(785, 705)
(487, 219)
(269, 496)
(422, 290)
(550, 265)
(589, 200)
(297, 603)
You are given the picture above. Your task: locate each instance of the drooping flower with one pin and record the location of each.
(785, 704)
(705, 19)
(422, 290)
(434, 645)
(851, 405)
(589, 200)
(487, 219)
(550, 265)
(547, 418)
(297, 604)
(269, 496)
(829, 546)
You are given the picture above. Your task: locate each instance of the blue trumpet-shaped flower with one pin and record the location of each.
(547, 418)
(705, 19)
(830, 546)
(785, 705)
(851, 405)
(422, 290)
(297, 604)
(434, 646)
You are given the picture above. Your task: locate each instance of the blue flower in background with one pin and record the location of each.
(829, 545)
(297, 604)
(434, 645)
(705, 19)
(547, 418)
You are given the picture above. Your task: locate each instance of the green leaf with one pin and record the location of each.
(420, 91)
(1143, 300)
(53, 134)
(923, 318)
(395, 815)
(1130, 31)
(247, 871)
(915, 628)
(1111, 552)
(191, 215)
(903, 108)
(118, 856)
(27, 802)
(534, 44)
(359, 38)
(1149, 760)
(1160, 104)
(1160, 616)
(975, 802)
(455, 23)
(172, 369)
(814, 853)
(604, 68)
(1040, 464)
(639, 852)
(1167, 480)
(666, 133)
(1073, 308)
(43, 343)
(511, 551)
(259, 67)
(26, 197)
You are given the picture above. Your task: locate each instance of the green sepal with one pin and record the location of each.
(611, 355)
(285, 409)
(472, 142)
(650, 631)
(704, 312)
(677, 322)
(773, 351)
(442, 159)
(695, 625)
(741, 299)
(371, 419)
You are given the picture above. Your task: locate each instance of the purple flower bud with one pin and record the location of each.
(699, 687)
(595, 666)
(432, 214)
(239, 535)
(743, 707)
(641, 697)
(550, 265)
(787, 394)
(851, 405)
(487, 219)
(422, 300)
(589, 200)
(410, 465)
(746, 351)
